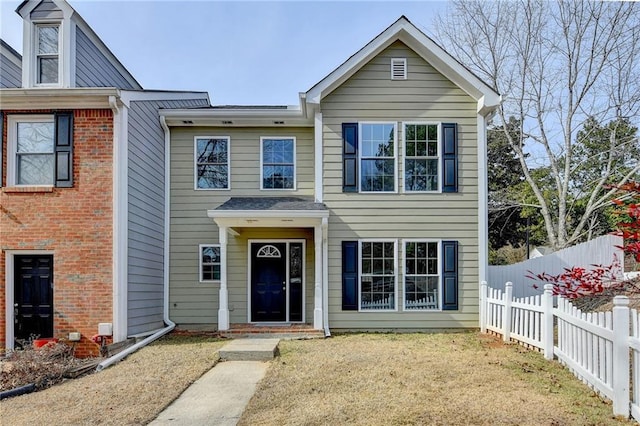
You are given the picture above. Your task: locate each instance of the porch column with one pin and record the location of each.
(223, 304)
(317, 311)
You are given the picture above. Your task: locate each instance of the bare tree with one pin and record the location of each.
(557, 65)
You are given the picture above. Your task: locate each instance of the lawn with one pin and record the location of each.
(433, 379)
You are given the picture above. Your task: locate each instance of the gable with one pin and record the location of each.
(46, 10)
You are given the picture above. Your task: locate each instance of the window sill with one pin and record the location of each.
(26, 189)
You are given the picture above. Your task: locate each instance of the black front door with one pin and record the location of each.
(33, 301)
(268, 282)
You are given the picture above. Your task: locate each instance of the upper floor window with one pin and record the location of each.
(421, 157)
(212, 162)
(47, 49)
(278, 162)
(377, 157)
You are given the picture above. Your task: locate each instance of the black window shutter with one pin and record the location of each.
(450, 157)
(64, 149)
(349, 157)
(450, 275)
(349, 275)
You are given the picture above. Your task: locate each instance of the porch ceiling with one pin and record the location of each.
(269, 212)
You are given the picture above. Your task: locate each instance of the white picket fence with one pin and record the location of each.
(599, 251)
(386, 303)
(596, 347)
(428, 302)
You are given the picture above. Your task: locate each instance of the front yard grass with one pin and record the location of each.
(431, 379)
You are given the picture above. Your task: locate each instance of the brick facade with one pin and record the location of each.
(75, 224)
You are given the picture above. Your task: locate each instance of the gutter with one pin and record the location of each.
(170, 325)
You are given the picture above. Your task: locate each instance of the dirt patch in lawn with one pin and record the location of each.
(131, 392)
(434, 379)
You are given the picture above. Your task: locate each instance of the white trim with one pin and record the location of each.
(120, 219)
(195, 162)
(325, 275)
(295, 167)
(159, 95)
(395, 157)
(287, 241)
(318, 304)
(62, 49)
(402, 61)
(483, 209)
(200, 247)
(318, 157)
(9, 285)
(404, 272)
(395, 272)
(403, 188)
(12, 144)
(223, 298)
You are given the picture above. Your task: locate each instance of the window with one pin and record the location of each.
(421, 157)
(377, 275)
(47, 48)
(377, 157)
(31, 158)
(421, 275)
(278, 163)
(209, 262)
(212, 162)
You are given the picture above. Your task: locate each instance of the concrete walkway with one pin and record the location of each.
(220, 396)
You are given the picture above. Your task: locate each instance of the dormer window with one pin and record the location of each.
(47, 50)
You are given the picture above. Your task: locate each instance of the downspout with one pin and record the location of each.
(325, 276)
(170, 325)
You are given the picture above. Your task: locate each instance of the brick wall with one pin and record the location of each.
(75, 224)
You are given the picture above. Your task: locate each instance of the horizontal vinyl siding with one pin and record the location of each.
(93, 69)
(46, 10)
(426, 95)
(145, 265)
(195, 303)
(10, 73)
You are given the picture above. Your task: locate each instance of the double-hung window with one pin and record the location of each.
(47, 50)
(212, 162)
(377, 157)
(421, 275)
(378, 265)
(209, 262)
(421, 160)
(31, 159)
(278, 162)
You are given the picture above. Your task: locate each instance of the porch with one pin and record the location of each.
(266, 266)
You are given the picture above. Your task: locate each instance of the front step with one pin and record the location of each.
(280, 331)
(249, 350)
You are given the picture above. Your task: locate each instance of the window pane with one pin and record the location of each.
(377, 175)
(35, 169)
(213, 177)
(47, 40)
(212, 151)
(35, 137)
(278, 168)
(210, 254)
(47, 70)
(421, 284)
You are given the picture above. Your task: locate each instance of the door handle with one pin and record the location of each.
(284, 285)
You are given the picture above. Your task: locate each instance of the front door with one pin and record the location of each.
(33, 303)
(268, 282)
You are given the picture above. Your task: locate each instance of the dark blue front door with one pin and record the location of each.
(33, 304)
(268, 282)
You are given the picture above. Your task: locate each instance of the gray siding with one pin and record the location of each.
(427, 96)
(195, 304)
(93, 69)
(10, 73)
(146, 214)
(46, 10)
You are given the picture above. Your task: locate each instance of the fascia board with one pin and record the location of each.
(29, 99)
(264, 214)
(161, 95)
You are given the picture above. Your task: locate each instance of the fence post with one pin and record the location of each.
(547, 321)
(483, 306)
(621, 356)
(506, 318)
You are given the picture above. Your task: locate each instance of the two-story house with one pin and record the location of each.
(82, 186)
(361, 208)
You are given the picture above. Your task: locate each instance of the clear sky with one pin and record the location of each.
(240, 52)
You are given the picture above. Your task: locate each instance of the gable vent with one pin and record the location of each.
(398, 68)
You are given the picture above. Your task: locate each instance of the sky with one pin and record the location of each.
(240, 52)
